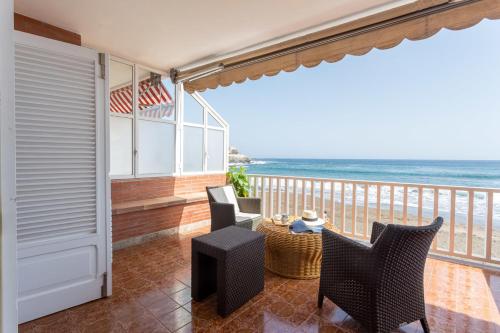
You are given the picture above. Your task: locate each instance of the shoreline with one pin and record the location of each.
(442, 238)
(461, 201)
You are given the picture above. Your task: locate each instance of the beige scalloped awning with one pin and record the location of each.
(415, 21)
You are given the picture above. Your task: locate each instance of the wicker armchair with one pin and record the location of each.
(380, 286)
(227, 209)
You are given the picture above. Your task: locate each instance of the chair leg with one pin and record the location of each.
(425, 325)
(320, 300)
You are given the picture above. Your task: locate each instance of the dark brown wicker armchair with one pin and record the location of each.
(380, 286)
(227, 209)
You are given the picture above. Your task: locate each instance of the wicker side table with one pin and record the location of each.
(229, 261)
(296, 256)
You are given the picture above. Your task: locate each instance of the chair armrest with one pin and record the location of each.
(377, 229)
(222, 215)
(345, 258)
(249, 205)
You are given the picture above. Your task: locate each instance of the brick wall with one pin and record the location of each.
(189, 184)
(149, 188)
(146, 222)
(154, 220)
(141, 188)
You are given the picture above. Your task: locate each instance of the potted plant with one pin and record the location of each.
(239, 179)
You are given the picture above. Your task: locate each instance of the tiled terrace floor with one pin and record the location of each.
(152, 294)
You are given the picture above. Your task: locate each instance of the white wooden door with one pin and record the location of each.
(60, 176)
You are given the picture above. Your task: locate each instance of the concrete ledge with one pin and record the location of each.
(185, 228)
(142, 205)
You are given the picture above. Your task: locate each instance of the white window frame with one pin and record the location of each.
(179, 128)
(135, 123)
(207, 109)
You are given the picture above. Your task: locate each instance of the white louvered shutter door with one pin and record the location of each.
(60, 218)
(56, 148)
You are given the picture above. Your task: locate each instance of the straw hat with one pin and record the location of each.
(310, 218)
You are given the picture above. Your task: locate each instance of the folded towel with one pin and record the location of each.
(299, 226)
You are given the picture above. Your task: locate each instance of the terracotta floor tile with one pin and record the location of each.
(414, 327)
(278, 325)
(182, 297)
(151, 294)
(186, 329)
(331, 313)
(149, 325)
(316, 324)
(151, 297)
(28, 327)
(176, 319)
(184, 275)
(124, 310)
(172, 286)
(187, 306)
(162, 306)
(64, 328)
(104, 325)
(350, 325)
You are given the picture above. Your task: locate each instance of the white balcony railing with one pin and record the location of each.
(472, 215)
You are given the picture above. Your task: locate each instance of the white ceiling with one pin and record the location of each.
(169, 33)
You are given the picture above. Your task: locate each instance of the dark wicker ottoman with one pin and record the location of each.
(231, 262)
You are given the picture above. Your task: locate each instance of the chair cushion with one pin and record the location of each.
(227, 239)
(240, 217)
(225, 194)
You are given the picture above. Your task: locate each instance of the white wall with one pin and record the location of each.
(8, 303)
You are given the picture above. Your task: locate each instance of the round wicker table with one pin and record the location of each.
(296, 256)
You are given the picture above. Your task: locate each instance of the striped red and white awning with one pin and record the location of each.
(154, 100)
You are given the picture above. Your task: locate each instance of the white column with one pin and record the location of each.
(179, 133)
(8, 319)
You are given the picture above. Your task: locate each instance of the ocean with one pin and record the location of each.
(458, 173)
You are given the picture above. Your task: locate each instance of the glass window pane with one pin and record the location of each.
(170, 87)
(120, 146)
(193, 111)
(215, 148)
(211, 121)
(155, 102)
(120, 83)
(156, 147)
(193, 149)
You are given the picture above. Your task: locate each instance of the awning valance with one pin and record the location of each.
(416, 21)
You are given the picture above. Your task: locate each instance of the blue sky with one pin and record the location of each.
(437, 98)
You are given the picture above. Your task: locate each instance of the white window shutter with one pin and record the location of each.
(56, 145)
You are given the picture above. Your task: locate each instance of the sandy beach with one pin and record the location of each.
(443, 237)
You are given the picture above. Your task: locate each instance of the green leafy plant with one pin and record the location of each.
(239, 179)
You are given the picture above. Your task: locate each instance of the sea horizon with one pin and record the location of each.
(374, 159)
